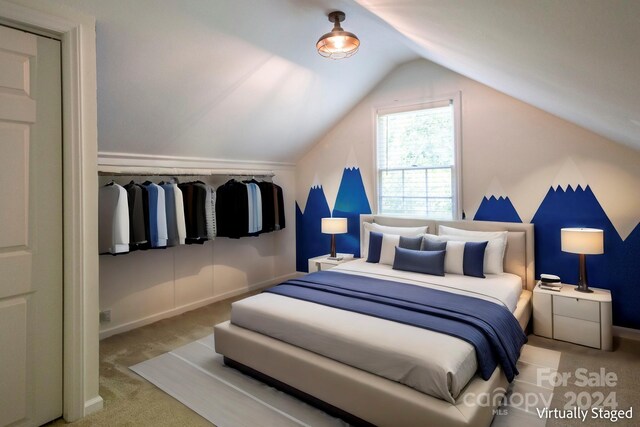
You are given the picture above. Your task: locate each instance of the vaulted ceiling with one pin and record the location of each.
(241, 80)
(229, 79)
(577, 59)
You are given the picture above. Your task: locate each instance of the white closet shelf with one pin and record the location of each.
(109, 170)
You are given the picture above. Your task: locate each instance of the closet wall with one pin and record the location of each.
(145, 286)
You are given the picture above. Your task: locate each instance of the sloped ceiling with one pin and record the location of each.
(577, 59)
(241, 80)
(229, 79)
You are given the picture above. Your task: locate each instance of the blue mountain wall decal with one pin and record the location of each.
(617, 269)
(310, 242)
(350, 203)
(500, 209)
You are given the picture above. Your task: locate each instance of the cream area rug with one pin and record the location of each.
(531, 391)
(196, 376)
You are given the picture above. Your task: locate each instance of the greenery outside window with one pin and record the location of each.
(417, 160)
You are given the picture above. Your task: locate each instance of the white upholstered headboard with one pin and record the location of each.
(519, 256)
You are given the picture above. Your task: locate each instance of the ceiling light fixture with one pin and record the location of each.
(338, 43)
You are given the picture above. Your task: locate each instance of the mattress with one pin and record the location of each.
(430, 362)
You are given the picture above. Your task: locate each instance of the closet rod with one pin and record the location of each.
(105, 170)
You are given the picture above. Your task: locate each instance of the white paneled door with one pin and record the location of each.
(30, 229)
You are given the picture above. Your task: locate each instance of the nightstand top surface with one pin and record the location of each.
(325, 259)
(569, 291)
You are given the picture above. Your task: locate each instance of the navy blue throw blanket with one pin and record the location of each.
(491, 328)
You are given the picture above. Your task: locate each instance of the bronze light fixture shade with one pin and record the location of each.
(337, 44)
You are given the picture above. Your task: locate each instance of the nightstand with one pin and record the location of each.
(321, 263)
(577, 317)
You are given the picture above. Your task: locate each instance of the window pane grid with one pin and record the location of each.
(398, 194)
(416, 162)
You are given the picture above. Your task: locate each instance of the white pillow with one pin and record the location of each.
(454, 257)
(385, 229)
(494, 254)
(388, 251)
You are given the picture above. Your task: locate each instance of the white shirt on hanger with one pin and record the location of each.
(113, 219)
(180, 221)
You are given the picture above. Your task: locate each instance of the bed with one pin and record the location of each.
(372, 371)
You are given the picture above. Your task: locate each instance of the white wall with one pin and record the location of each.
(509, 148)
(144, 286)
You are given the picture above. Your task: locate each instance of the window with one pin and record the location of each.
(417, 152)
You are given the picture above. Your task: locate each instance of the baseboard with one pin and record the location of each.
(626, 333)
(93, 405)
(193, 305)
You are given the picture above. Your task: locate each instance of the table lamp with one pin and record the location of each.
(334, 226)
(582, 241)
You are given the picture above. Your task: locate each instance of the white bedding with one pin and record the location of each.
(431, 362)
(502, 288)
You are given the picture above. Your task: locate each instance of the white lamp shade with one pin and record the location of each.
(588, 241)
(334, 225)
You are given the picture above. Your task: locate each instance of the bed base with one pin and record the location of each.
(301, 395)
(359, 397)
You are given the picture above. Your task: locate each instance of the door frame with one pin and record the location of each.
(80, 200)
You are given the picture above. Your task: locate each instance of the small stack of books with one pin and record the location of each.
(550, 282)
(550, 286)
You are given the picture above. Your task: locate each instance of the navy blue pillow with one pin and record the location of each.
(375, 246)
(410, 242)
(427, 262)
(473, 261)
(430, 245)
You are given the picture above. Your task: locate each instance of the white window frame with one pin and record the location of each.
(455, 100)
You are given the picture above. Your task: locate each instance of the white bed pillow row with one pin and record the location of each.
(494, 254)
(397, 231)
(455, 260)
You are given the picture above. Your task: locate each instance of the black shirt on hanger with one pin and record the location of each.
(279, 200)
(194, 195)
(232, 210)
(139, 232)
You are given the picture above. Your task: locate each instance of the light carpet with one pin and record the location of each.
(195, 375)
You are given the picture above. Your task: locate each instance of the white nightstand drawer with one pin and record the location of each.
(576, 331)
(576, 308)
(327, 266)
